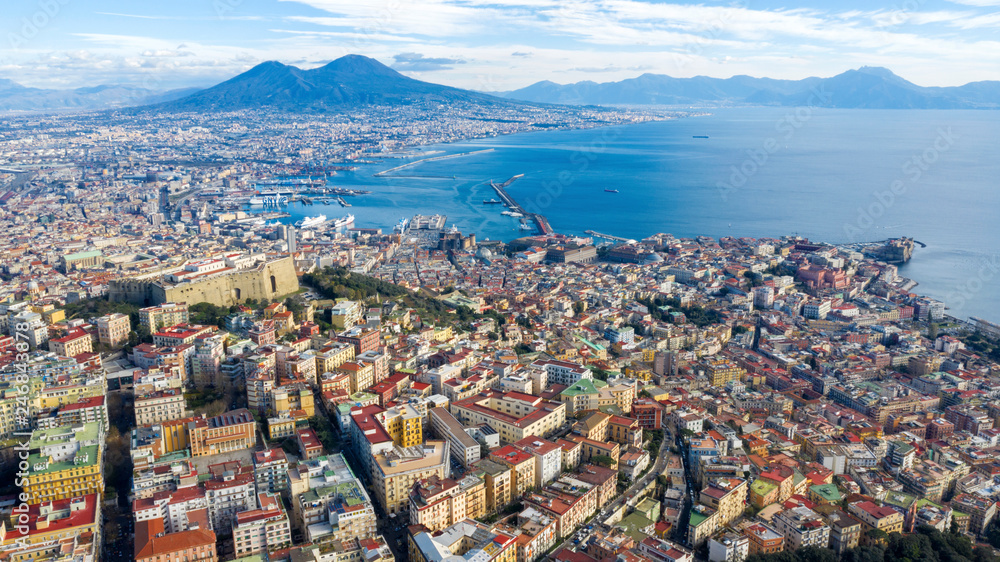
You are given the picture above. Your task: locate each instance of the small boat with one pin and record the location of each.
(491, 202)
(526, 226)
(699, 136)
(611, 191)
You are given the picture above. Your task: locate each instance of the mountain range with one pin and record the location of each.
(866, 87)
(347, 82)
(15, 97)
(354, 81)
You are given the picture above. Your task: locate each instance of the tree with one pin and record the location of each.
(815, 554)
(932, 331)
(602, 460)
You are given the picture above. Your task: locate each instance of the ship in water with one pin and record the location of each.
(491, 202)
(343, 221)
(699, 136)
(611, 191)
(312, 222)
(400, 227)
(256, 201)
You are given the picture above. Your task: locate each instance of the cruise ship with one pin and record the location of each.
(400, 227)
(310, 222)
(256, 201)
(342, 222)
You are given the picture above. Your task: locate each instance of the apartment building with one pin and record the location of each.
(395, 471)
(512, 415)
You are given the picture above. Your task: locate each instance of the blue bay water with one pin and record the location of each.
(831, 175)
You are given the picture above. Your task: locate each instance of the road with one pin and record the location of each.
(639, 484)
(680, 531)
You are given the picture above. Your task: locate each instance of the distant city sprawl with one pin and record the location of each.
(188, 373)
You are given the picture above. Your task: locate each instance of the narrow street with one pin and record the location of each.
(639, 484)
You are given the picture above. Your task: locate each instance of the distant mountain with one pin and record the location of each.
(15, 97)
(347, 82)
(866, 87)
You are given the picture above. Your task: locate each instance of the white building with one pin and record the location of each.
(801, 527)
(730, 547)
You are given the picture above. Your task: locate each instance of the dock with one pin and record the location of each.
(431, 159)
(596, 234)
(540, 221)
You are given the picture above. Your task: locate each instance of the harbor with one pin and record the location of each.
(516, 210)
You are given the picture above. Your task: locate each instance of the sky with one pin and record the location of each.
(495, 45)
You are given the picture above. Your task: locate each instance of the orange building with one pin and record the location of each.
(152, 545)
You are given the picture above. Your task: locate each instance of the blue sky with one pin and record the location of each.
(494, 45)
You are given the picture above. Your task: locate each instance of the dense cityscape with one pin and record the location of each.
(187, 377)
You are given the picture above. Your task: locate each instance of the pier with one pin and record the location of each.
(596, 234)
(540, 221)
(432, 159)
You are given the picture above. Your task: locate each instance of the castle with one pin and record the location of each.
(222, 281)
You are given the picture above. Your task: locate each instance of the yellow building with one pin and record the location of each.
(50, 313)
(883, 518)
(56, 396)
(727, 496)
(72, 344)
(441, 335)
(232, 431)
(53, 528)
(521, 464)
(279, 428)
(404, 424)
(49, 481)
(394, 472)
(296, 396)
(498, 479)
(332, 356)
(513, 415)
(721, 371)
(362, 375)
(113, 329)
(440, 503)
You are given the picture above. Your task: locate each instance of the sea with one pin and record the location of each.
(832, 175)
